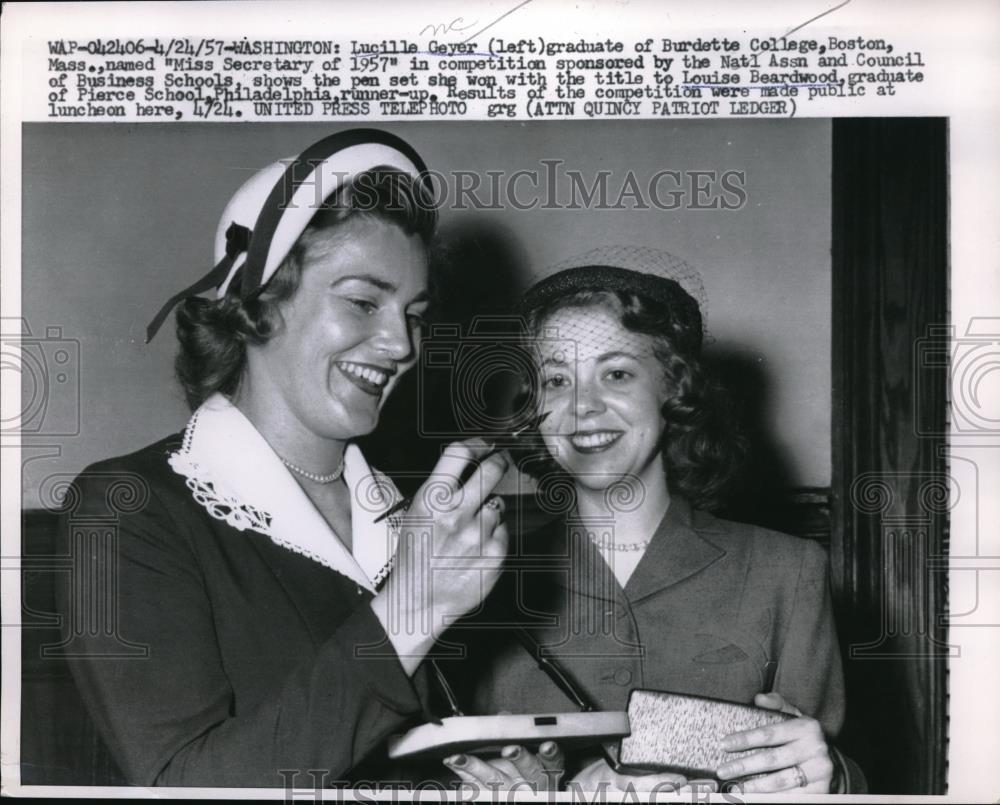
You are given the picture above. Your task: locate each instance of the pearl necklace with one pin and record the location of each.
(312, 476)
(608, 545)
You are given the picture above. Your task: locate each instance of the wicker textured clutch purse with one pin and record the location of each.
(674, 732)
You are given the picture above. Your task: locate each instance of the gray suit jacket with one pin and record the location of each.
(715, 608)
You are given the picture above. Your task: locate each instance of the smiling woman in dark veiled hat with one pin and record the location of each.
(258, 572)
(633, 584)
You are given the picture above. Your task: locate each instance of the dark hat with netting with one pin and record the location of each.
(651, 273)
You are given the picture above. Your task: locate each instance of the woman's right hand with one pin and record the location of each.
(452, 544)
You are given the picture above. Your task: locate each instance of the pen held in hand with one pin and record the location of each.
(511, 439)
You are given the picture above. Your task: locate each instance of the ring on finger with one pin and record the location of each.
(495, 502)
(801, 781)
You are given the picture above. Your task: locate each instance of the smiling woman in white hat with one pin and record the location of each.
(285, 623)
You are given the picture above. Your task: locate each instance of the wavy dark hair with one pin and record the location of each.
(213, 333)
(702, 446)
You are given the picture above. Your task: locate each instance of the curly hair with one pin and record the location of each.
(701, 444)
(213, 333)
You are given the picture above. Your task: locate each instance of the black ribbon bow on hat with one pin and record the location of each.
(239, 238)
(237, 242)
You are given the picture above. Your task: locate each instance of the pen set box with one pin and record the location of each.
(660, 732)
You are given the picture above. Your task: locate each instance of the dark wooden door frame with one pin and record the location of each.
(889, 494)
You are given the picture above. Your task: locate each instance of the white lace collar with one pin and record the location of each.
(235, 475)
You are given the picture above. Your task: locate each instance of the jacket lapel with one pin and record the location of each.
(580, 567)
(313, 590)
(677, 551)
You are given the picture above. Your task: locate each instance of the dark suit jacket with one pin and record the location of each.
(715, 608)
(230, 657)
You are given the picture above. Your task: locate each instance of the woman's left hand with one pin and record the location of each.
(793, 754)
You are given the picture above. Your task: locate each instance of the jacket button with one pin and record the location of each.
(623, 676)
